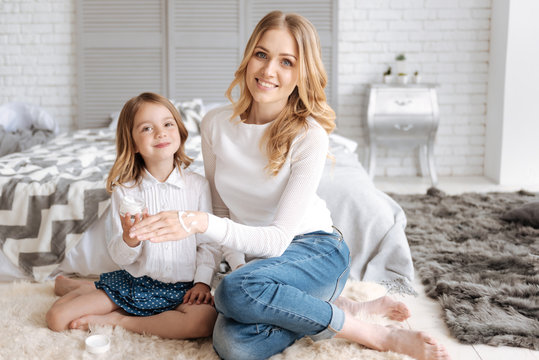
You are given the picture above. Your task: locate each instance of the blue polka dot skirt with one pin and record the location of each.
(142, 296)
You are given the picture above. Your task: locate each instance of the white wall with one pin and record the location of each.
(513, 112)
(37, 56)
(447, 41)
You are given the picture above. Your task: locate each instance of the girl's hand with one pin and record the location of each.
(198, 294)
(127, 224)
(166, 226)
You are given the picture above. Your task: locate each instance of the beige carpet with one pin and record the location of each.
(24, 334)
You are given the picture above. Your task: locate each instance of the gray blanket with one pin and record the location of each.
(372, 223)
(22, 139)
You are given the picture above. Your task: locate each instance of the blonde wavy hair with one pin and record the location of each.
(129, 165)
(307, 99)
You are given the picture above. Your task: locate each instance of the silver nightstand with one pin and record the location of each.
(403, 115)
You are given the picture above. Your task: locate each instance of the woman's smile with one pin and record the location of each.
(265, 84)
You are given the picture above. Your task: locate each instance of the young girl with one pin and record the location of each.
(169, 280)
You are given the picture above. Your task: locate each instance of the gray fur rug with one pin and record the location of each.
(483, 271)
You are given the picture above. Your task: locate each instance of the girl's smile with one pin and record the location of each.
(162, 145)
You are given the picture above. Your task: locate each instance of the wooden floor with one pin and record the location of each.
(426, 313)
(450, 185)
(427, 317)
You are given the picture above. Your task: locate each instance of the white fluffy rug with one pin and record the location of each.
(24, 334)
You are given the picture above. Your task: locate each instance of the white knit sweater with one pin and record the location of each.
(257, 213)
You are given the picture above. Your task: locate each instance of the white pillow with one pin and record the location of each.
(114, 120)
(21, 116)
(7, 117)
(191, 113)
(211, 106)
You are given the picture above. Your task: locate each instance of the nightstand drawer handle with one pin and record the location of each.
(403, 127)
(403, 102)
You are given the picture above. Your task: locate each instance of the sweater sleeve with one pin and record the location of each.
(208, 252)
(308, 156)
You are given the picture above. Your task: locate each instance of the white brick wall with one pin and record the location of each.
(447, 41)
(37, 56)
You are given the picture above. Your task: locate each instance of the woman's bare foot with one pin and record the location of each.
(394, 310)
(416, 344)
(63, 285)
(83, 322)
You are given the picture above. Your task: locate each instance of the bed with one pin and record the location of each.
(54, 208)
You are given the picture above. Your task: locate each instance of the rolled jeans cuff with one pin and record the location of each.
(335, 325)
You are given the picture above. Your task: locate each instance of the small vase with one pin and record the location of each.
(417, 79)
(403, 79)
(400, 67)
(388, 79)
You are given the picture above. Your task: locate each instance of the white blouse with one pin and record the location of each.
(192, 259)
(257, 213)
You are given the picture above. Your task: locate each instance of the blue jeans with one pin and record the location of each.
(267, 304)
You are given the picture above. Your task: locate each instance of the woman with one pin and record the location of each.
(263, 158)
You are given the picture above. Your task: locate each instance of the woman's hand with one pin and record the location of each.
(198, 294)
(166, 226)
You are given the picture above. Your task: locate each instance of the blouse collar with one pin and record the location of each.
(175, 179)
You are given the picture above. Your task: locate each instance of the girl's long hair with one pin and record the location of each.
(129, 165)
(307, 99)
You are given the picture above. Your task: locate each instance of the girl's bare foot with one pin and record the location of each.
(63, 284)
(416, 344)
(394, 310)
(82, 323)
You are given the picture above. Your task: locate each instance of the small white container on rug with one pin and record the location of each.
(97, 344)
